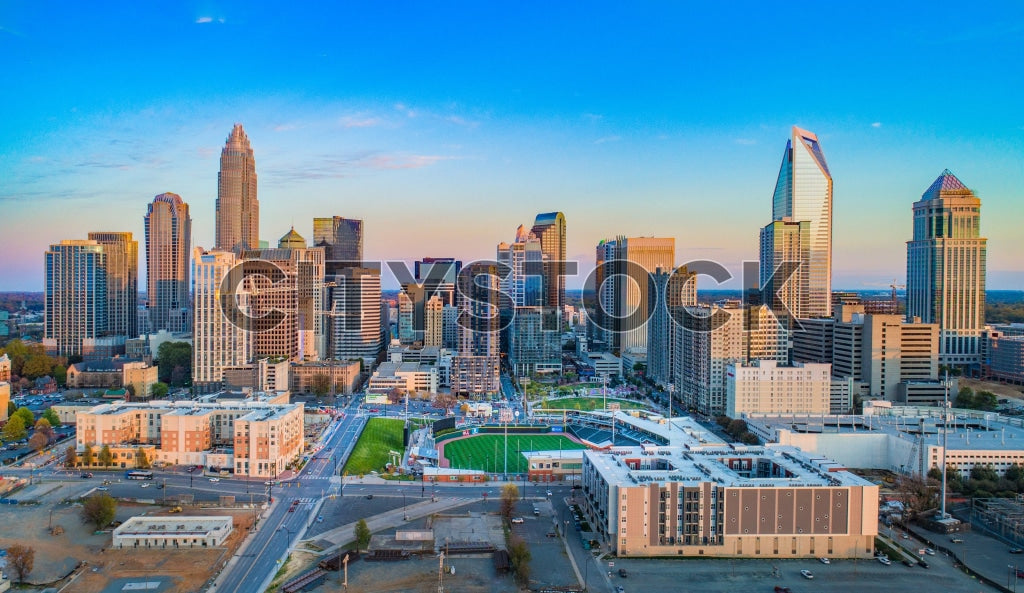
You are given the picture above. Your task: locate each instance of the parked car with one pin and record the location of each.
(517, 520)
(214, 479)
(884, 560)
(102, 488)
(623, 573)
(956, 540)
(369, 497)
(779, 589)
(922, 564)
(929, 551)
(824, 560)
(907, 563)
(807, 574)
(87, 475)
(1016, 551)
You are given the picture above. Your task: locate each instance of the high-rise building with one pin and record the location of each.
(946, 268)
(475, 369)
(75, 297)
(122, 263)
(342, 240)
(603, 310)
(433, 322)
(640, 257)
(218, 341)
(673, 290)
(549, 227)
(785, 245)
(803, 192)
(168, 238)
(355, 315)
(535, 342)
(238, 209)
(298, 297)
(450, 327)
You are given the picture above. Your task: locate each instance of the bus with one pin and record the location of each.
(138, 474)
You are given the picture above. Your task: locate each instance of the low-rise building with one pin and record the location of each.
(343, 376)
(173, 532)
(407, 377)
(604, 364)
(767, 387)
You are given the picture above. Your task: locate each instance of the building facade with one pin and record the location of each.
(168, 238)
(342, 240)
(475, 368)
(122, 263)
(549, 228)
(75, 296)
(354, 321)
(238, 208)
(784, 273)
(803, 192)
(767, 387)
(946, 268)
(218, 341)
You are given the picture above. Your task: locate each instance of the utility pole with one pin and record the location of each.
(344, 563)
(440, 574)
(945, 434)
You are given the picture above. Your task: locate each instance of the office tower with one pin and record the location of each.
(433, 322)
(438, 275)
(946, 268)
(168, 236)
(75, 297)
(219, 338)
(475, 369)
(535, 342)
(717, 336)
(673, 290)
(238, 209)
(641, 256)
(521, 267)
(549, 227)
(803, 192)
(783, 282)
(122, 263)
(601, 312)
(342, 240)
(355, 315)
(450, 327)
(297, 298)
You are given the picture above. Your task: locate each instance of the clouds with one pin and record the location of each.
(204, 20)
(360, 121)
(876, 124)
(606, 139)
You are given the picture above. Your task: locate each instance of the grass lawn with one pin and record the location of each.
(486, 452)
(371, 451)
(589, 404)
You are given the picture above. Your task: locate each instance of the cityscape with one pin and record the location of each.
(524, 311)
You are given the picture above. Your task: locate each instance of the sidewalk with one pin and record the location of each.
(335, 538)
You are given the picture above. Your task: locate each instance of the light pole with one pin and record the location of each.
(405, 513)
(288, 542)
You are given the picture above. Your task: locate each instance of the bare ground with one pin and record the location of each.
(1001, 390)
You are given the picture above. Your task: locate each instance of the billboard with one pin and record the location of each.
(375, 398)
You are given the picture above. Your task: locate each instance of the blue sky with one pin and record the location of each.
(446, 125)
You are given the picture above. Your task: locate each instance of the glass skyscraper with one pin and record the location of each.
(803, 192)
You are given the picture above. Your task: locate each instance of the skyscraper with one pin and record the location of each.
(122, 266)
(217, 341)
(168, 238)
(238, 209)
(549, 227)
(75, 297)
(355, 315)
(783, 243)
(803, 192)
(342, 240)
(946, 268)
(641, 257)
(475, 369)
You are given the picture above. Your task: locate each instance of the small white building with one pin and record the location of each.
(173, 532)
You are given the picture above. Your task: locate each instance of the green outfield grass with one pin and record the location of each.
(589, 404)
(371, 451)
(486, 452)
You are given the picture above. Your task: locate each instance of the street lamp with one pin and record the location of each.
(405, 512)
(289, 532)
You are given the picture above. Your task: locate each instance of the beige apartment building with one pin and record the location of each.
(728, 501)
(255, 438)
(768, 387)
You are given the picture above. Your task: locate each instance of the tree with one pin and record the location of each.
(43, 426)
(60, 374)
(445, 401)
(509, 498)
(38, 442)
(27, 417)
(986, 401)
(105, 457)
(51, 416)
(159, 390)
(362, 535)
(394, 396)
(917, 494)
(180, 375)
(21, 558)
(99, 510)
(87, 456)
(964, 399)
(141, 459)
(70, 457)
(320, 384)
(520, 555)
(171, 355)
(14, 430)
(11, 408)
(736, 428)
(37, 366)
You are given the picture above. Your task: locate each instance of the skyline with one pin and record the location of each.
(667, 134)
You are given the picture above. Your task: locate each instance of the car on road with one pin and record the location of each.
(268, 483)
(160, 486)
(884, 560)
(369, 497)
(1016, 551)
(319, 519)
(807, 574)
(619, 589)
(549, 494)
(214, 479)
(956, 540)
(907, 563)
(144, 485)
(779, 589)
(824, 560)
(102, 488)
(87, 475)
(623, 573)
(922, 564)
(929, 551)
(518, 520)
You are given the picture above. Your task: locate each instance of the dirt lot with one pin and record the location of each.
(58, 555)
(1014, 391)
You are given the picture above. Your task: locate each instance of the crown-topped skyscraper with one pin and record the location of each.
(238, 210)
(946, 268)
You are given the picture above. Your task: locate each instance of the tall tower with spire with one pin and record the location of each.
(946, 268)
(238, 210)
